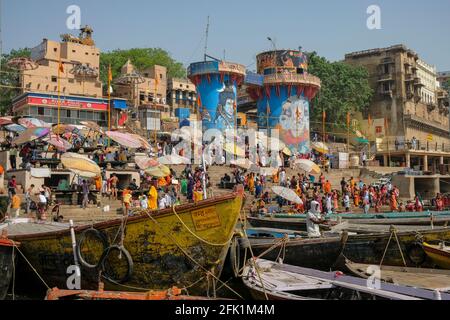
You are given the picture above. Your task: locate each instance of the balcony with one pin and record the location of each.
(385, 77)
(418, 82)
(387, 61)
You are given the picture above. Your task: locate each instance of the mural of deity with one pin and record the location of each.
(224, 117)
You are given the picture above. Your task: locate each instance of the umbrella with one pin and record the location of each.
(60, 143)
(31, 134)
(242, 163)
(142, 140)
(287, 151)
(233, 148)
(307, 165)
(15, 128)
(268, 171)
(270, 143)
(125, 139)
(91, 125)
(80, 165)
(5, 121)
(174, 159)
(62, 128)
(144, 162)
(160, 171)
(32, 123)
(320, 147)
(287, 194)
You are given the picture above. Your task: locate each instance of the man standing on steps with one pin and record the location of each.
(85, 191)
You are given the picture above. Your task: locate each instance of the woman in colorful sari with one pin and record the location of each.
(393, 201)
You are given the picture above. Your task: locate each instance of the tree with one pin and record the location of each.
(10, 79)
(345, 88)
(141, 58)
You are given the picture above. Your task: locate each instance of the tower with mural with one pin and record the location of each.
(284, 98)
(216, 83)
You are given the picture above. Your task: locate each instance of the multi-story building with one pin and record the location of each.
(80, 94)
(443, 79)
(408, 125)
(142, 87)
(181, 93)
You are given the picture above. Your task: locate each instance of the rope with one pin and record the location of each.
(393, 233)
(190, 258)
(198, 237)
(31, 266)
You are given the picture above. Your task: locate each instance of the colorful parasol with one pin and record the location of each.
(15, 128)
(242, 163)
(125, 139)
(144, 143)
(62, 128)
(307, 165)
(31, 134)
(80, 165)
(287, 194)
(144, 162)
(173, 159)
(160, 171)
(287, 151)
(33, 123)
(58, 142)
(92, 126)
(5, 121)
(320, 147)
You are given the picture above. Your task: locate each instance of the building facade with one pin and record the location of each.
(181, 93)
(405, 105)
(81, 64)
(443, 79)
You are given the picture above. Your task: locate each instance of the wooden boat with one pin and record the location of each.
(149, 250)
(440, 254)
(274, 281)
(432, 279)
(329, 251)
(436, 218)
(170, 294)
(295, 223)
(6, 264)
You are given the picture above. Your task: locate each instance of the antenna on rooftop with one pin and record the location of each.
(206, 40)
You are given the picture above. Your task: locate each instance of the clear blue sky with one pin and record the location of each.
(332, 28)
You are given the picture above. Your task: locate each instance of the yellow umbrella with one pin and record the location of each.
(287, 151)
(233, 148)
(160, 171)
(320, 147)
(307, 165)
(80, 165)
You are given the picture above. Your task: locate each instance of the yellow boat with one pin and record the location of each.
(440, 254)
(185, 246)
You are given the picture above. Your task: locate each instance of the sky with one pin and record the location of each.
(238, 28)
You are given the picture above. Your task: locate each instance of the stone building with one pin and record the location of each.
(407, 121)
(181, 93)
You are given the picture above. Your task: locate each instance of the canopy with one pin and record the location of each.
(242, 163)
(160, 171)
(62, 128)
(15, 127)
(144, 162)
(91, 125)
(32, 123)
(5, 121)
(142, 140)
(307, 165)
(287, 194)
(268, 171)
(174, 159)
(80, 165)
(31, 134)
(125, 139)
(320, 147)
(287, 151)
(60, 143)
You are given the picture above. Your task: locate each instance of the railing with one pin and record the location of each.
(392, 145)
(293, 78)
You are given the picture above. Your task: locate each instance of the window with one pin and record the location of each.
(386, 69)
(55, 49)
(40, 111)
(73, 51)
(160, 75)
(54, 79)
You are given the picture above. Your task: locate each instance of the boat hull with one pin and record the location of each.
(164, 251)
(440, 257)
(6, 267)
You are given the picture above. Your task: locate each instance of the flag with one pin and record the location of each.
(60, 67)
(110, 77)
(348, 119)
(369, 121)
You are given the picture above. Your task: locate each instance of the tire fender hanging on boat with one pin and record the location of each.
(130, 265)
(96, 235)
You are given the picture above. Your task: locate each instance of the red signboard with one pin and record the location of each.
(50, 102)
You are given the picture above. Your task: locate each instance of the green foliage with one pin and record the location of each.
(141, 58)
(9, 79)
(344, 89)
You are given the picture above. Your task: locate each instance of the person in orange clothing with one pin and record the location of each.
(356, 198)
(394, 205)
(153, 198)
(98, 183)
(251, 183)
(162, 182)
(327, 187)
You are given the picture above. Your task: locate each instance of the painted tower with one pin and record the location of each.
(284, 99)
(216, 83)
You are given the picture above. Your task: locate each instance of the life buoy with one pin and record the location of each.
(106, 270)
(95, 234)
